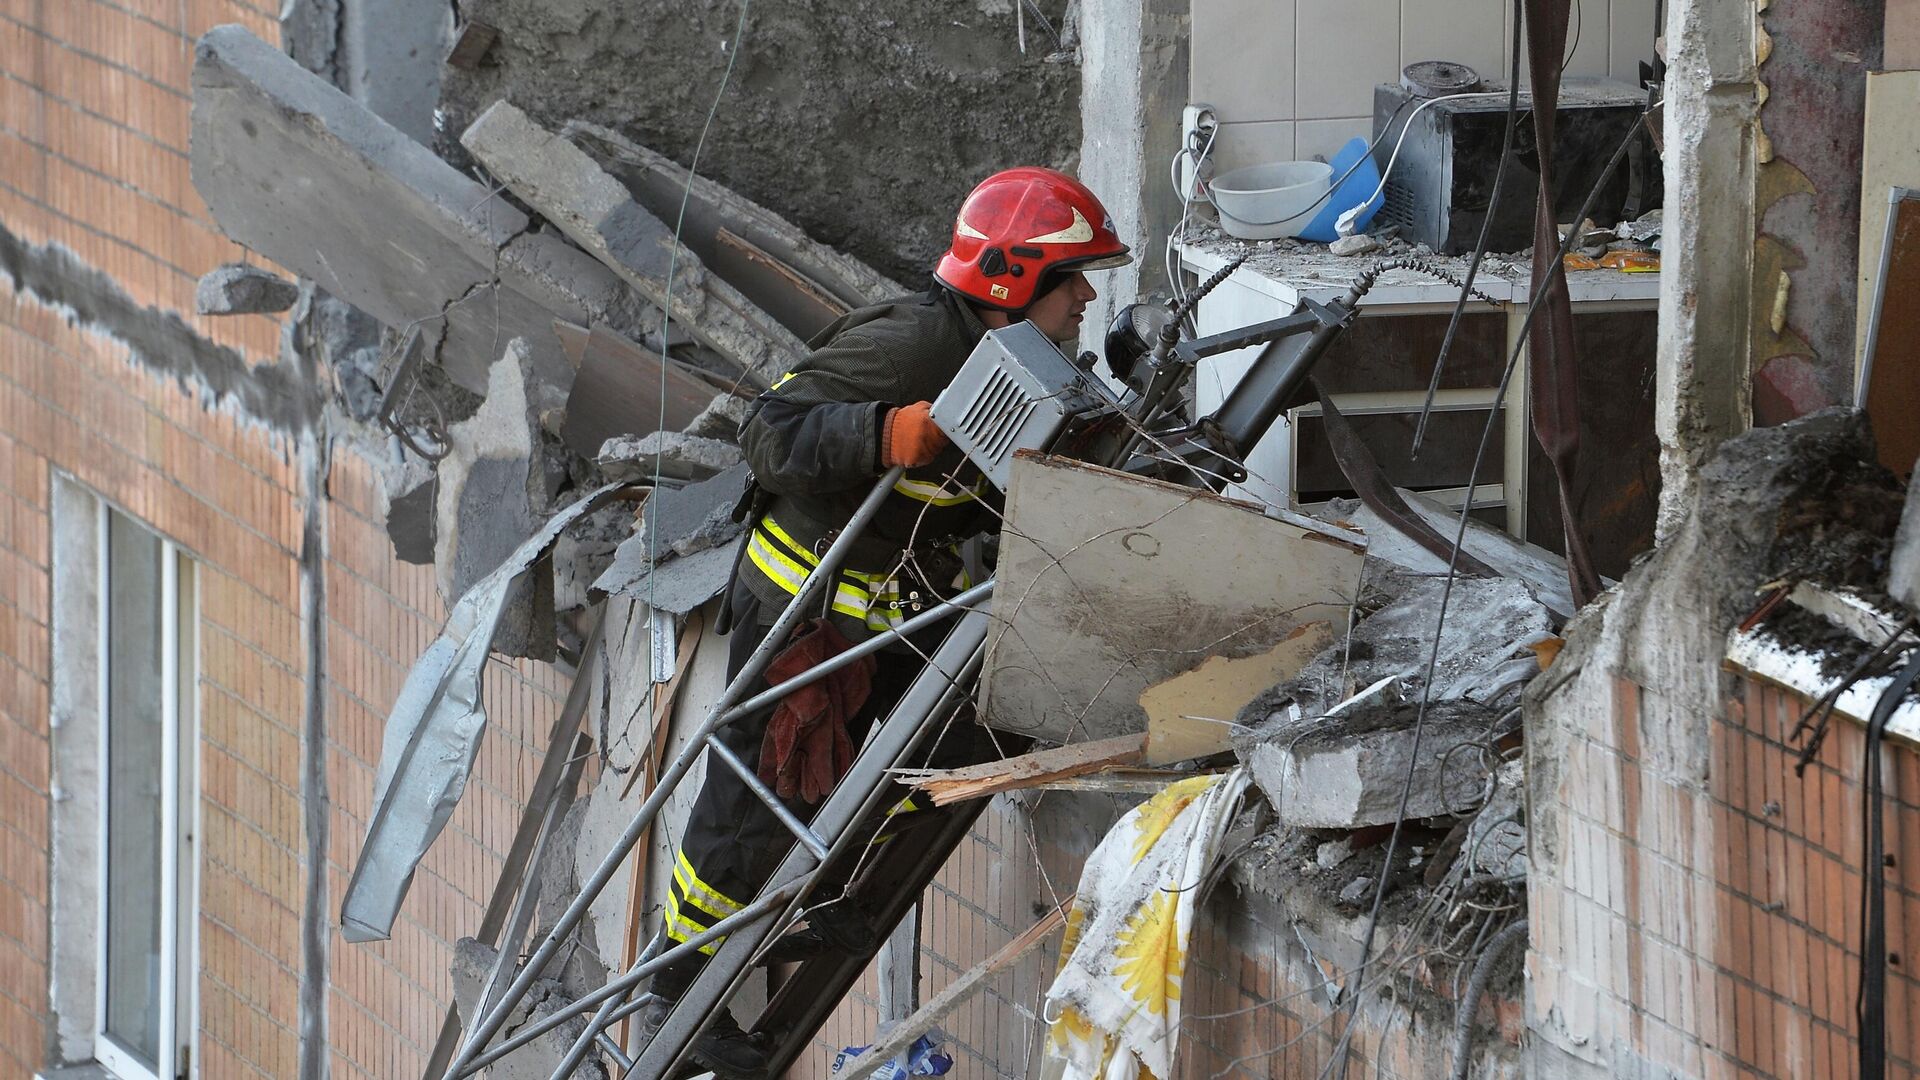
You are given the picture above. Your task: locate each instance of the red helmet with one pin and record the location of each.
(1018, 229)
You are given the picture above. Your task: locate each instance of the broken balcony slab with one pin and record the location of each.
(623, 389)
(301, 173)
(570, 189)
(1350, 770)
(1110, 583)
(799, 281)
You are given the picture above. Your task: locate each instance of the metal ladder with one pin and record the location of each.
(804, 1003)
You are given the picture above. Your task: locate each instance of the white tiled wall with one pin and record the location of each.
(1294, 78)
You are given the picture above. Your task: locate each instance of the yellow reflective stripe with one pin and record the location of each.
(681, 928)
(699, 893)
(794, 547)
(784, 572)
(782, 380)
(937, 494)
(904, 806)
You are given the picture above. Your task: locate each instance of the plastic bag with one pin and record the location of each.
(923, 1058)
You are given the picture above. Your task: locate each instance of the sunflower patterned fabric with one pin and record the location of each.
(1115, 1004)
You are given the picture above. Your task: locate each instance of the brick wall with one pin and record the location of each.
(94, 101)
(387, 1000)
(1713, 928)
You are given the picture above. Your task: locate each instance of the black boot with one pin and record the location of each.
(724, 1048)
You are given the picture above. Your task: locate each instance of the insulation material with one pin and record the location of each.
(1117, 998)
(1112, 583)
(432, 737)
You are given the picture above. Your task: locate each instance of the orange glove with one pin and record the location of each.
(908, 436)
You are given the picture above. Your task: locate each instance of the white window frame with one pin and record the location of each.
(178, 1002)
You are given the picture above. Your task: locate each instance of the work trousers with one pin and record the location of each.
(732, 842)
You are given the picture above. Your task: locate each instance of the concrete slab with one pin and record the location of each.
(678, 585)
(311, 179)
(492, 495)
(1349, 772)
(1487, 621)
(1110, 583)
(561, 182)
(698, 516)
(672, 455)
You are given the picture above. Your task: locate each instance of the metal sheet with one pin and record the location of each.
(623, 389)
(432, 737)
(1110, 583)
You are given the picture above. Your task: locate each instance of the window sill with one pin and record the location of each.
(90, 1070)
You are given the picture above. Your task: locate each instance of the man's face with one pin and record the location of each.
(1058, 313)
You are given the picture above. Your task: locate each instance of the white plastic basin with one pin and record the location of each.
(1266, 202)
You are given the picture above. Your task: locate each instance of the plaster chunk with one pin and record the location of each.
(1348, 771)
(240, 289)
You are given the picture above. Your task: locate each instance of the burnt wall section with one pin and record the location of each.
(865, 122)
(1814, 60)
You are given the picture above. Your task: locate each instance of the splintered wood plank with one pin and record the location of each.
(1027, 770)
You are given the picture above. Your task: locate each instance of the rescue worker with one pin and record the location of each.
(817, 441)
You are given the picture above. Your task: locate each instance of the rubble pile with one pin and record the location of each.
(1347, 752)
(546, 331)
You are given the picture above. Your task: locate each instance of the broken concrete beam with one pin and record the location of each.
(314, 181)
(1349, 772)
(673, 456)
(1903, 572)
(493, 492)
(796, 279)
(570, 189)
(623, 389)
(240, 289)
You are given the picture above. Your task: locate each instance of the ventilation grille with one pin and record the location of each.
(992, 421)
(1398, 209)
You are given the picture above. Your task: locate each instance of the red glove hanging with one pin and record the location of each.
(806, 749)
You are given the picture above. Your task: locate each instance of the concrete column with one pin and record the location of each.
(1133, 83)
(1704, 392)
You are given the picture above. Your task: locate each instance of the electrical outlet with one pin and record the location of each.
(1198, 128)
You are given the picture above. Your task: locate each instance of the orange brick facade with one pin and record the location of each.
(94, 106)
(1713, 928)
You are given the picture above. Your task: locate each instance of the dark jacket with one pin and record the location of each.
(813, 441)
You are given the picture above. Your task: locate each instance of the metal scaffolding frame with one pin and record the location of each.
(945, 682)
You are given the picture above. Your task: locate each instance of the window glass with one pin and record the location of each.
(135, 744)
